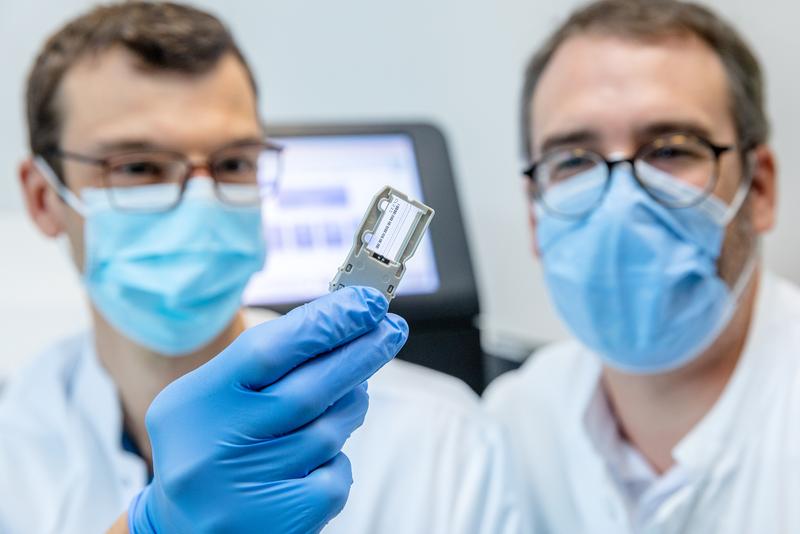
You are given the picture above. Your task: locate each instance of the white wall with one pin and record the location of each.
(456, 62)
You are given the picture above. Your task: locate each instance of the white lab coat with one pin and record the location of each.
(736, 472)
(426, 461)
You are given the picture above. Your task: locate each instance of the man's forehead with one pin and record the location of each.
(113, 91)
(596, 80)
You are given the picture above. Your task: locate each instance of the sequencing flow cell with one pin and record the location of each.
(389, 233)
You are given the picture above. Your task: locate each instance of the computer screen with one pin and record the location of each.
(327, 183)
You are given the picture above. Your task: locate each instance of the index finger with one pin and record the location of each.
(266, 352)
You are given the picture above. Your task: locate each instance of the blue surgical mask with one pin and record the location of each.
(170, 281)
(635, 281)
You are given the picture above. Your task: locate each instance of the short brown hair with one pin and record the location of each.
(653, 19)
(163, 35)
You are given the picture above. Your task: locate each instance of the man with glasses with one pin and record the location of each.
(199, 211)
(149, 156)
(676, 410)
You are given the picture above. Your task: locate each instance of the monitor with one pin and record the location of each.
(326, 184)
(330, 174)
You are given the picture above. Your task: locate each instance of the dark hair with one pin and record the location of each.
(163, 35)
(653, 19)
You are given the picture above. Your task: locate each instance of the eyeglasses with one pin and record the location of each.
(677, 170)
(243, 174)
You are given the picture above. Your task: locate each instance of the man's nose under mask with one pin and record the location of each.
(637, 282)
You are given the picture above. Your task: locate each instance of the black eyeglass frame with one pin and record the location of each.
(717, 150)
(106, 166)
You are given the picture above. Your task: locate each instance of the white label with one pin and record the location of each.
(394, 228)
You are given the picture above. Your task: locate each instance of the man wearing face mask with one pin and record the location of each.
(676, 410)
(149, 156)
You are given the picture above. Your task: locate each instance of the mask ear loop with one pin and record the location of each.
(58, 186)
(736, 293)
(742, 192)
(747, 273)
(749, 268)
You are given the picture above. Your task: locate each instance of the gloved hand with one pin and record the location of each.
(251, 441)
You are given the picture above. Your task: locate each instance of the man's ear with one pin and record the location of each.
(45, 208)
(763, 191)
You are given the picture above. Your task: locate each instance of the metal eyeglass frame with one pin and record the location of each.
(191, 167)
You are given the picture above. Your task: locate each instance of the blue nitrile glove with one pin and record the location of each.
(251, 441)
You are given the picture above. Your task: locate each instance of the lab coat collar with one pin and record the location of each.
(716, 439)
(704, 458)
